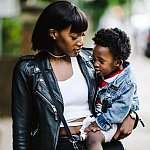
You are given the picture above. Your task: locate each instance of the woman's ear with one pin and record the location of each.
(52, 33)
(118, 62)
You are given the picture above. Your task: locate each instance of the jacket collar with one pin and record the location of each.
(124, 74)
(119, 79)
(44, 57)
(47, 66)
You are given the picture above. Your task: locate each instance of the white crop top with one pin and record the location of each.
(75, 95)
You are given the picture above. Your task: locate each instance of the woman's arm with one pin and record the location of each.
(125, 128)
(21, 108)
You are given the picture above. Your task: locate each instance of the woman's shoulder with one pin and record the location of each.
(25, 64)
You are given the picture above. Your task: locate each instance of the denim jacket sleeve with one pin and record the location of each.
(122, 102)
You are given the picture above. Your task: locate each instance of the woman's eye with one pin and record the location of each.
(74, 37)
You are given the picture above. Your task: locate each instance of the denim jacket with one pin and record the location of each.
(122, 97)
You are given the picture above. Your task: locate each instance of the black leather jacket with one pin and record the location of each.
(35, 126)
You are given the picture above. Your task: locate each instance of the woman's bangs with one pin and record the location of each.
(80, 24)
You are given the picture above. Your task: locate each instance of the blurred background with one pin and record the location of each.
(17, 20)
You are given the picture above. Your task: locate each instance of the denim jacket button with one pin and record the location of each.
(41, 80)
(37, 69)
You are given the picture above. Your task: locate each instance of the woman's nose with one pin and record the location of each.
(80, 41)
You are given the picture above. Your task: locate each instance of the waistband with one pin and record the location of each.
(72, 124)
(65, 138)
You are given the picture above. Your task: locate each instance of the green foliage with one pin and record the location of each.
(11, 36)
(119, 2)
(95, 9)
(49, 1)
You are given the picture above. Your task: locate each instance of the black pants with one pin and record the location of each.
(65, 144)
(114, 145)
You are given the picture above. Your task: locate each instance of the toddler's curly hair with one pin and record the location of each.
(116, 40)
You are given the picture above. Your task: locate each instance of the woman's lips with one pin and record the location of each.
(77, 50)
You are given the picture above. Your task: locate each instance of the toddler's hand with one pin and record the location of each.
(92, 127)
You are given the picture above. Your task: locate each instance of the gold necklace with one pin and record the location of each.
(56, 56)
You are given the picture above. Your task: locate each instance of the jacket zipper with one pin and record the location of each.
(53, 107)
(57, 135)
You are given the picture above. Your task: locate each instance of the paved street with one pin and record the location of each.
(140, 139)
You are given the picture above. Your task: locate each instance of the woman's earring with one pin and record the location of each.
(54, 37)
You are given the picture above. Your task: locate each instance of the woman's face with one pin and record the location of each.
(104, 63)
(68, 43)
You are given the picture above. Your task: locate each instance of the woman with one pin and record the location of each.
(58, 37)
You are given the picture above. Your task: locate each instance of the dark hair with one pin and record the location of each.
(58, 15)
(116, 40)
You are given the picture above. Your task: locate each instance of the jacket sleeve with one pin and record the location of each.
(21, 108)
(120, 107)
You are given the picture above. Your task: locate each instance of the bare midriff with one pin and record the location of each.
(73, 129)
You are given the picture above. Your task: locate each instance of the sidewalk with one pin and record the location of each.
(6, 134)
(140, 139)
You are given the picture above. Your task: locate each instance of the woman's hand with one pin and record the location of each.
(92, 127)
(125, 128)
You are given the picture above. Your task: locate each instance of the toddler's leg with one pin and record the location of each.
(95, 140)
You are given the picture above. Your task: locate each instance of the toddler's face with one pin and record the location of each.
(104, 63)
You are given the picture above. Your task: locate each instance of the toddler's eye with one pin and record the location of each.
(102, 62)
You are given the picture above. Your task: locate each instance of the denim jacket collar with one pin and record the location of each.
(124, 74)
